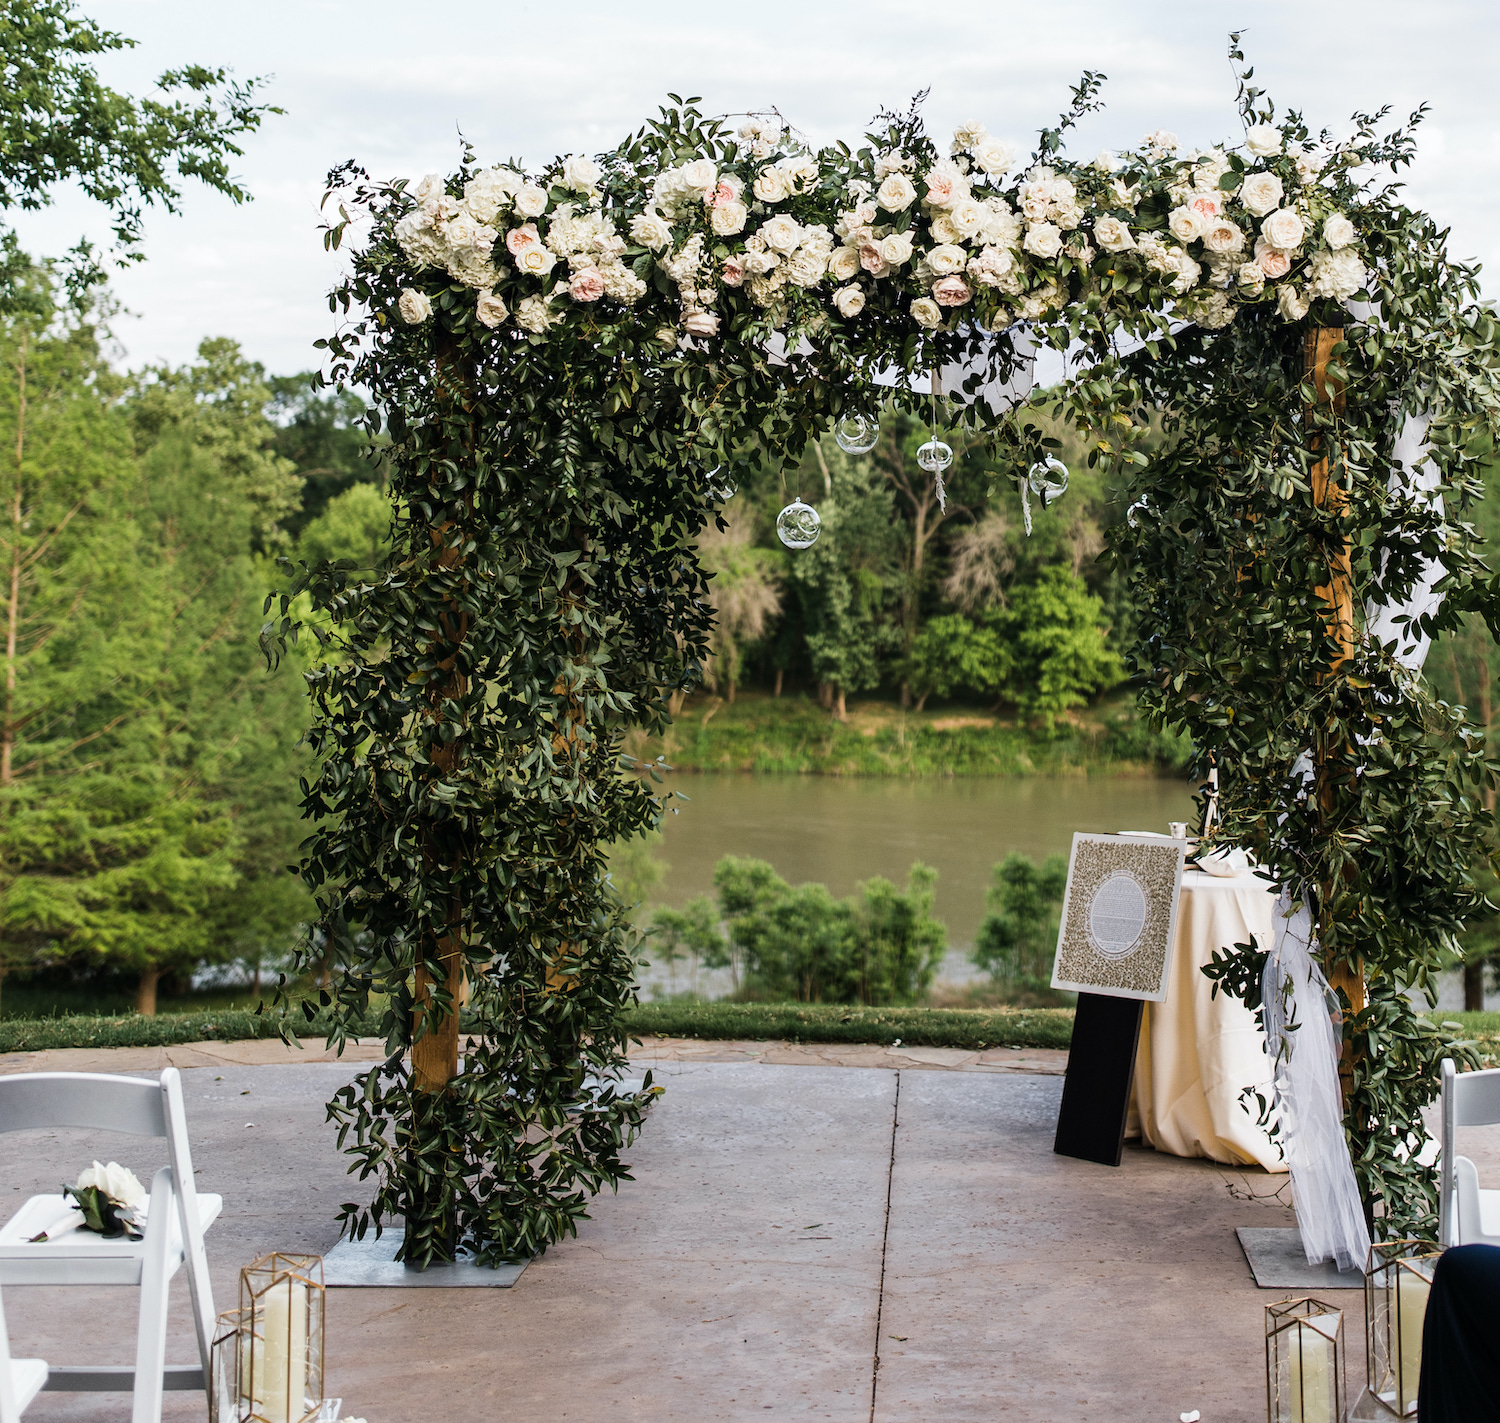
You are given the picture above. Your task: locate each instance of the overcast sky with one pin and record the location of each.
(392, 85)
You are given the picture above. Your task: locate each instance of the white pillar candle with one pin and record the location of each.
(1313, 1393)
(279, 1382)
(1412, 1291)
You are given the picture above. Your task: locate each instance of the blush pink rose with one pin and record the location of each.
(942, 191)
(723, 195)
(1205, 205)
(587, 285)
(951, 291)
(518, 239)
(873, 260)
(734, 272)
(1273, 262)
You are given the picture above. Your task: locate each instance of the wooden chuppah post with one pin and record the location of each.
(434, 1057)
(1338, 595)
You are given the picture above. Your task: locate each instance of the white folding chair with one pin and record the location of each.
(175, 1222)
(20, 1379)
(1467, 1215)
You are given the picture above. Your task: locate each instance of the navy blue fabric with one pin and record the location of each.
(1461, 1339)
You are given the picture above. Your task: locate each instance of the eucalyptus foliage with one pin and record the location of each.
(549, 474)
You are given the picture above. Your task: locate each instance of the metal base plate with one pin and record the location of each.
(372, 1264)
(1278, 1263)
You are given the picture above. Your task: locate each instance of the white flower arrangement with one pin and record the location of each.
(934, 239)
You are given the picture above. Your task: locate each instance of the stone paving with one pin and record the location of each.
(846, 1242)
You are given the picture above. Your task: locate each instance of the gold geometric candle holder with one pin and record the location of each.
(1398, 1280)
(277, 1333)
(1304, 1362)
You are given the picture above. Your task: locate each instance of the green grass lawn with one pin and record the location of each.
(793, 735)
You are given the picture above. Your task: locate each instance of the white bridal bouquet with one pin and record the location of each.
(109, 1201)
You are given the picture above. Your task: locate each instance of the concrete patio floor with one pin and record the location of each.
(822, 1242)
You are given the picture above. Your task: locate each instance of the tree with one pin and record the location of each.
(691, 932)
(147, 764)
(1060, 651)
(354, 526)
(318, 431)
(843, 584)
(880, 946)
(1017, 939)
(59, 123)
(745, 592)
(951, 653)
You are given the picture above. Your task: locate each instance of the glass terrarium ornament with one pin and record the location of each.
(1048, 480)
(935, 456)
(1304, 1362)
(1398, 1281)
(278, 1373)
(856, 434)
(798, 525)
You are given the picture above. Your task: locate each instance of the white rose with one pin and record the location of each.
(1125, 194)
(530, 200)
(1250, 278)
(896, 193)
(431, 186)
(968, 136)
(728, 218)
(1291, 303)
(1187, 271)
(772, 185)
(491, 311)
(118, 1184)
(1338, 231)
(782, 233)
(414, 306)
(967, 216)
(1223, 236)
(1186, 224)
(994, 156)
(942, 230)
(843, 263)
(700, 323)
(666, 337)
(1067, 215)
(1162, 141)
(1283, 229)
(926, 312)
(701, 175)
(896, 249)
(946, 259)
(1112, 235)
(849, 300)
(1043, 240)
(991, 265)
(1261, 193)
(1263, 140)
(535, 261)
(650, 229)
(806, 266)
(580, 173)
(894, 161)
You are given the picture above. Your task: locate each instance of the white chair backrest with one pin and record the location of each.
(1476, 1098)
(96, 1101)
(91, 1100)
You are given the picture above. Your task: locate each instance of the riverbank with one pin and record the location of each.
(793, 735)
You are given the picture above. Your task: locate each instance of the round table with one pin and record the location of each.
(1199, 1050)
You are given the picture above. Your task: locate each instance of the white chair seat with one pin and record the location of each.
(81, 1257)
(26, 1379)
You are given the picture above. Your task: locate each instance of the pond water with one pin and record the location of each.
(839, 831)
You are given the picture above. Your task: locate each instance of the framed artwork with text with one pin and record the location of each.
(1119, 916)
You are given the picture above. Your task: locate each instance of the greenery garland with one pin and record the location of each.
(575, 366)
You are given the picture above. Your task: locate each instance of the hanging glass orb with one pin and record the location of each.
(721, 490)
(1048, 480)
(857, 434)
(935, 456)
(798, 525)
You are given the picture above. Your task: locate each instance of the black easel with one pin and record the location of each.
(1096, 1091)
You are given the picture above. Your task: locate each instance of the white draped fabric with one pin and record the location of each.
(1304, 1046)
